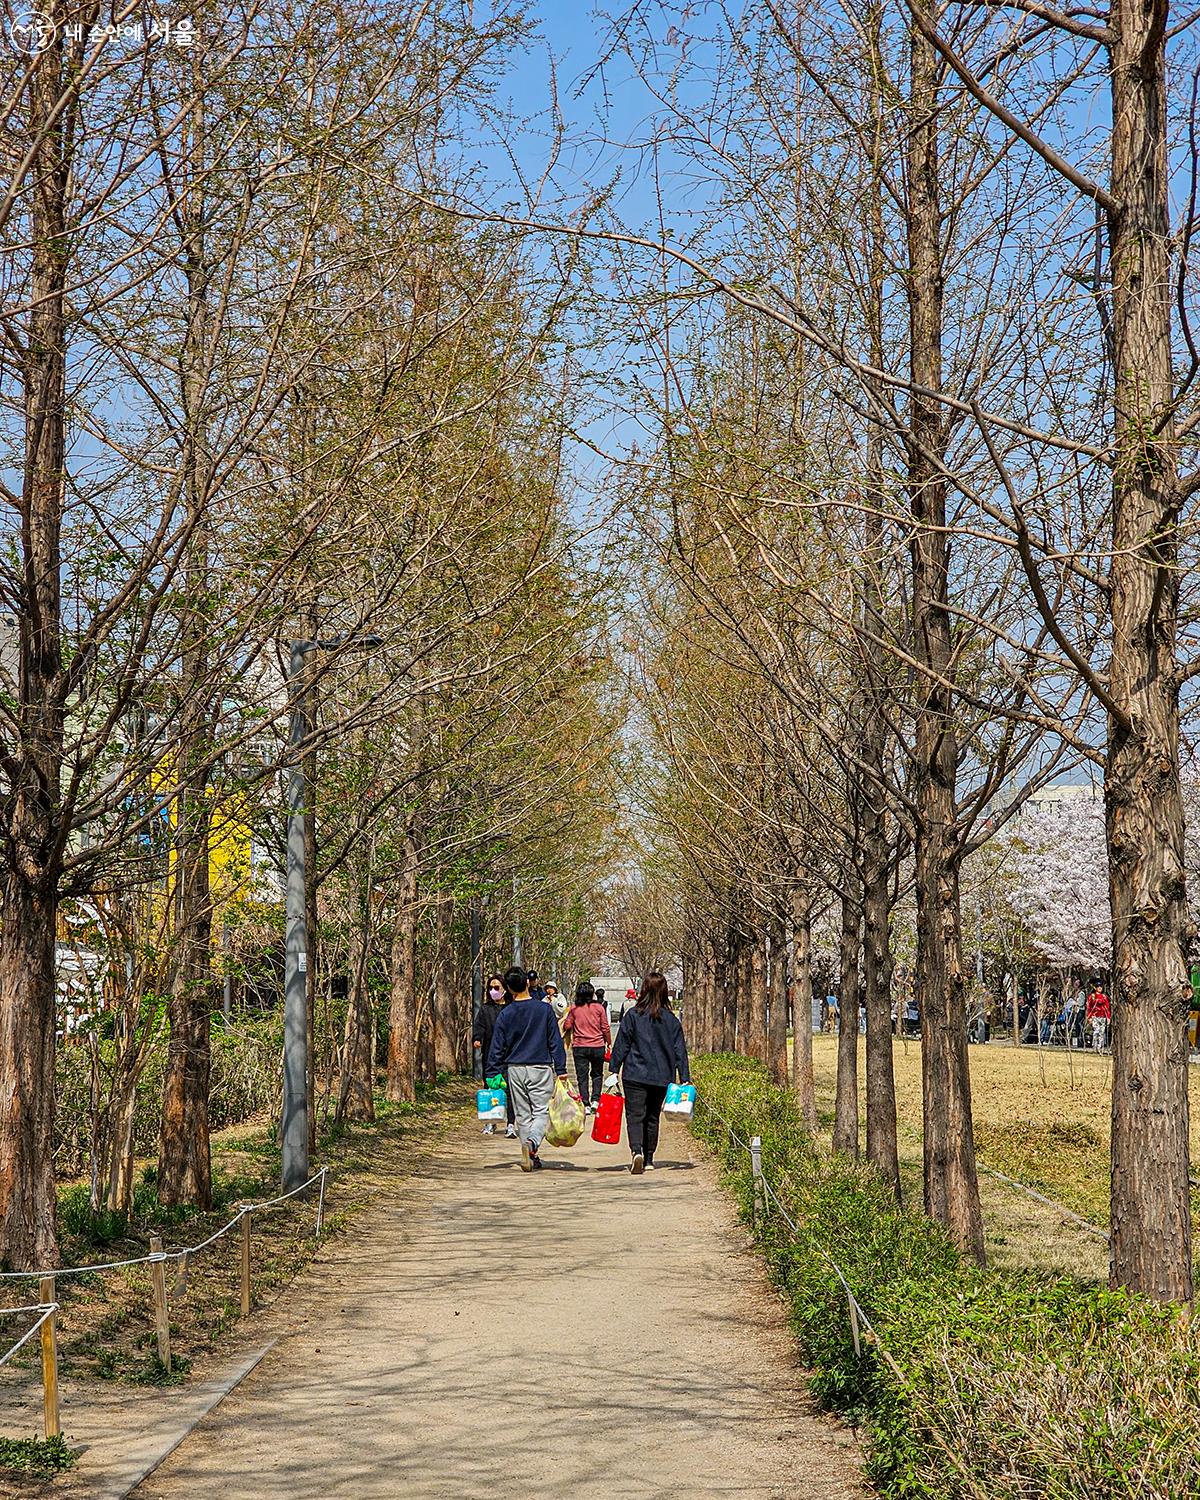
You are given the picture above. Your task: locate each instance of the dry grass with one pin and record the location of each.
(1041, 1116)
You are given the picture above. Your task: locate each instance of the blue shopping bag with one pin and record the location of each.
(681, 1099)
(491, 1104)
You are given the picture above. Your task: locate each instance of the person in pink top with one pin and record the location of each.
(586, 1023)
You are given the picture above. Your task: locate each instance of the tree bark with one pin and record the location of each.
(951, 1185)
(756, 1022)
(32, 831)
(184, 1162)
(402, 1009)
(803, 1079)
(777, 1019)
(729, 1025)
(845, 1122)
(449, 1029)
(882, 1144)
(1151, 1249)
(356, 1101)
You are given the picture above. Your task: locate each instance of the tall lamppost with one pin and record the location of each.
(295, 1006)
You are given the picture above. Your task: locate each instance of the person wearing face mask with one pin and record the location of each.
(481, 1037)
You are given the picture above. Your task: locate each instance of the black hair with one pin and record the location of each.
(654, 998)
(599, 994)
(516, 981)
(584, 994)
(499, 978)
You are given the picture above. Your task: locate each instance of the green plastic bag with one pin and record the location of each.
(567, 1115)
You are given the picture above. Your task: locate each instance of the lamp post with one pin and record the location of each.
(294, 1136)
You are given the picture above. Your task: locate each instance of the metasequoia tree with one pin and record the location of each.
(156, 219)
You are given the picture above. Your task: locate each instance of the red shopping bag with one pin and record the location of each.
(606, 1127)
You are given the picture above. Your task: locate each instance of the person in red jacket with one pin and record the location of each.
(586, 1024)
(1099, 1012)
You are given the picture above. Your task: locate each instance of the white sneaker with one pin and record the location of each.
(649, 1167)
(489, 1129)
(638, 1165)
(511, 1132)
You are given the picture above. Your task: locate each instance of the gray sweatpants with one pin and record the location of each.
(531, 1087)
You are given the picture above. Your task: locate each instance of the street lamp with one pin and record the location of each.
(295, 970)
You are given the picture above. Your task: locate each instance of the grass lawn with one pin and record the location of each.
(1041, 1116)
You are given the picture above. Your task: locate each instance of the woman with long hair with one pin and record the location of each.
(586, 1024)
(653, 1054)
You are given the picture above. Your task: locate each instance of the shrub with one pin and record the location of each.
(1005, 1385)
(245, 1079)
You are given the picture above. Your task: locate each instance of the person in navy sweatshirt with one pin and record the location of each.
(527, 1042)
(651, 1050)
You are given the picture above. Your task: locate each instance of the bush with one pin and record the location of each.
(39, 1458)
(246, 1078)
(1001, 1384)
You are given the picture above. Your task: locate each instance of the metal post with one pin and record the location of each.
(518, 953)
(295, 1010)
(756, 1177)
(476, 973)
(227, 987)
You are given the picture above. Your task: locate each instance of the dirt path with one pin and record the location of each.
(492, 1333)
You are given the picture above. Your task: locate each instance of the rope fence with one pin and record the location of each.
(157, 1259)
(763, 1195)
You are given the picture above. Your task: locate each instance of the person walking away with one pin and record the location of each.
(586, 1024)
(651, 1054)
(481, 1039)
(528, 1043)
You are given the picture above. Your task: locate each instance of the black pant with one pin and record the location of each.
(589, 1066)
(643, 1106)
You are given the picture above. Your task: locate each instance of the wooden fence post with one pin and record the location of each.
(756, 1178)
(245, 1262)
(162, 1316)
(50, 1422)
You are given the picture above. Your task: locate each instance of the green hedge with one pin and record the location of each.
(1038, 1387)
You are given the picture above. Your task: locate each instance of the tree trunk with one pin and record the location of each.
(882, 1145)
(756, 1022)
(803, 1080)
(449, 1028)
(733, 969)
(32, 833)
(951, 1185)
(184, 1164)
(845, 1122)
(1151, 1223)
(402, 1010)
(311, 914)
(356, 1101)
(777, 1019)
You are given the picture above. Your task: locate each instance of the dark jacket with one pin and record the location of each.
(651, 1051)
(481, 1032)
(526, 1032)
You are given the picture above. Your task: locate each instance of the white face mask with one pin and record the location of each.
(495, 994)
